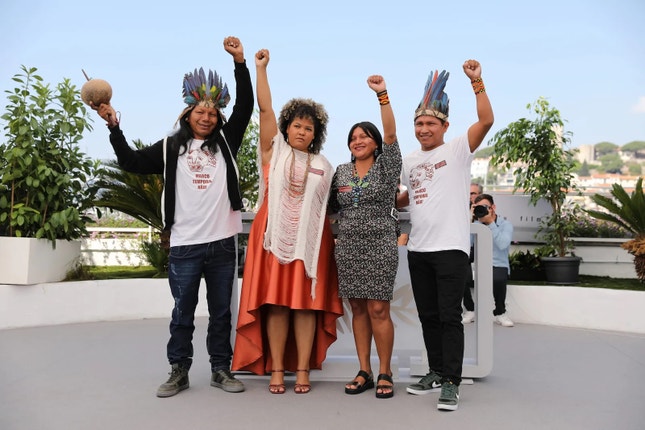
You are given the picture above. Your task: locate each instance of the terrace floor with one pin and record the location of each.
(104, 375)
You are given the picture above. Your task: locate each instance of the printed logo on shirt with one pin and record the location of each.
(420, 174)
(198, 160)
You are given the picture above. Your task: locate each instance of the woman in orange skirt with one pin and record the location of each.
(289, 302)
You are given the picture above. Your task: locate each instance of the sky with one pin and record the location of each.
(586, 57)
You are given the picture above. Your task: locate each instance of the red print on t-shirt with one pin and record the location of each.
(198, 159)
(420, 174)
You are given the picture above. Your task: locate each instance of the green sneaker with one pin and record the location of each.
(428, 384)
(177, 382)
(449, 397)
(226, 381)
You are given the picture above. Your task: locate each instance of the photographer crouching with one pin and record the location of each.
(502, 230)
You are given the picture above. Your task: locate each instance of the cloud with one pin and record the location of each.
(640, 106)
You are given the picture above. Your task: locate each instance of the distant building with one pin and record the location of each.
(602, 182)
(479, 168)
(586, 153)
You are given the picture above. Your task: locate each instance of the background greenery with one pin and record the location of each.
(45, 180)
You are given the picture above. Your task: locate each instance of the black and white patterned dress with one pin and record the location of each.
(366, 248)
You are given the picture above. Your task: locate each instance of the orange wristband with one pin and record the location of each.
(478, 86)
(383, 99)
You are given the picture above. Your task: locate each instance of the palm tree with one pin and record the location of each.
(140, 197)
(627, 211)
(136, 195)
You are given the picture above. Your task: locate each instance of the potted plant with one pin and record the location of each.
(543, 169)
(628, 212)
(525, 266)
(44, 177)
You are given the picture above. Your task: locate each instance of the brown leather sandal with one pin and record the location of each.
(277, 388)
(302, 388)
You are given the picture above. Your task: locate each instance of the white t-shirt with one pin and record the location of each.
(438, 183)
(203, 211)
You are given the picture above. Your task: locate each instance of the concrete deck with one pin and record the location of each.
(103, 375)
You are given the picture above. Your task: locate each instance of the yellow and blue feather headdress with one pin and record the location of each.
(435, 101)
(200, 89)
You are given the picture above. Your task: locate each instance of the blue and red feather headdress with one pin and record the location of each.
(435, 101)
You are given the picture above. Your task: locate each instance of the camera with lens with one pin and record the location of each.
(480, 211)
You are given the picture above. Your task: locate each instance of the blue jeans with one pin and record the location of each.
(438, 280)
(216, 262)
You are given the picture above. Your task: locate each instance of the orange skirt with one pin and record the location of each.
(265, 282)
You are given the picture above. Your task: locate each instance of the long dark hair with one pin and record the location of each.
(185, 133)
(372, 131)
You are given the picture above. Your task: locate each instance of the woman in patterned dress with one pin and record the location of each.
(289, 302)
(364, 192)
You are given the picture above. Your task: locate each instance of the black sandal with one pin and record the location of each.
(357, 387)
(386, 394)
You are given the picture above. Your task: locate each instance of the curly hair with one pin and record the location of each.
(307, 109)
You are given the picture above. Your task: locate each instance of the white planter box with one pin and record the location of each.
(593, 308)
(88, 301)
(600, 257)
(604, 257)
(26, 261)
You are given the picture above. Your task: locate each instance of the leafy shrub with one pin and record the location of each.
(524, 260)
(155, 254)
(44, 176)
(589, 227)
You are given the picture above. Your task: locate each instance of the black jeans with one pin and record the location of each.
(500, 281)
(469, 304)
(438, 280)
(215, 261)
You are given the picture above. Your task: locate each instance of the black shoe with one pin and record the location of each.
(177, 382)
(357, 387)
(384, 394)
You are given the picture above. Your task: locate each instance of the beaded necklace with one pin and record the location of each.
(357, 183)
(296, 181)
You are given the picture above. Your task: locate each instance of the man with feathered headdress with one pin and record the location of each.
(437, 177)
(201, 205)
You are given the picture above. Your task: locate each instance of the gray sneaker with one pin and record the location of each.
(226, 381)
(177, 382)
(428, 384)
(449, 397)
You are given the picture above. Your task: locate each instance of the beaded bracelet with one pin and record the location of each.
(383, 99)
(478, 86)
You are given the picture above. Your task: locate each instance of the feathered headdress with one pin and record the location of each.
(434, 101)
(198, 90)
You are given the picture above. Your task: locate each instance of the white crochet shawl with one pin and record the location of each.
(295, 223)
